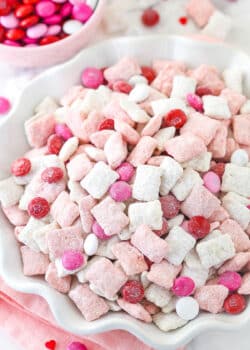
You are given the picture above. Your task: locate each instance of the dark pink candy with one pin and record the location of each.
(183, 286)
(76, 346)
(230, 280)
(99, 231)
(55, 19)
(29, 40)
(11, 43)
(4, 105)
(66, 9)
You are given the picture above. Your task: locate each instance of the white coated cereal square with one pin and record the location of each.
(176, 221)
(182, 86)
(179, 244)
(99, 179)
(218, 25)
(47, 105)
(105, 247)
(233, 78)
(162, 106)
(236, 179)
(158, 295)
(168, 322)
(148, 213)
(68, 148)
(136, 113)
(185, 184)
(216, 107)
(39, 236)
(147, 183)
(10, 192)
(163, 135)
(215, 251)
(26, 235)
(237, 210)
(200, 163)
(171, 173)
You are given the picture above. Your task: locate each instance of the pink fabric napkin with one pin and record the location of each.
(28, 320)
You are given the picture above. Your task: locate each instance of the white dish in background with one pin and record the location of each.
(55, 82)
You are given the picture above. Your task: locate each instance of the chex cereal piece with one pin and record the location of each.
(16, 216)
(162, 136)
(211, 298)
(34, 263)
(195, 125)
(154, 247)
(129, 134)
(152, 126)
(135, 310)
(200, 11)
(216, 107)
(26, 235)
(68, 148)
(39, 128)
(219, 25)
(134, 111)
(147, 183)
(78, 167)
(158, 295)
(47, 105)
(233, 78)
(115, 150)
(40, 235)
(73, 92)
(237, 210)
(208, 77)
(94, 153)
(106, 277)
(85, 206)
(99, 179)
(99, 138)
(176, 221)
(160, 64)
(185, 147)
(110, 216)
(241, 129)
(10, 192)
(131, 260)
(90, 125)
(179, 243)
(171, 173)
(219, 215)
(182, 86)
(245, 109)
(164, 79)
(142, 151)
(200, 163)
(236, 263)
(198, 274)
(163, 274)
(90, 304)
(234, 99)
(105, 247)
(114, 111)
(185, 184)
(200, 201)
(60, 240)
(236, 179)
(76, 192)
(219, 143)
(162, 106)
(239, 237)
(245, 284)
(149, 213)
(216, 250)
(81, 275)
(64, 211)
(168, 322)
(62, 284)
(124, 69)
(150, 307)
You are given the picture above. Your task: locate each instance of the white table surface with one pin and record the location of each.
(125, 17)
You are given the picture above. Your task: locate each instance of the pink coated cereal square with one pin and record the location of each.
(64, 211)
(161, 64)
(164, 274)
(218, 145)
(34, 263)
(153, 96)
(142, 151)
(90, 125)
(76, 91)
(219, 215)
(236, 263)
(106, 277)
(234, 99)
(211, 298)
(39, 128)
(115, 150)
(135, 310)
(75, 122)
(129, 134)
(62, 284)
(110, 216)
(152, 126)
(85, 206)
(131, 260)
(185, 147)
(239, 237)
(91, 305)
(78, 167)
(99, 138)
(241, 129)
(64, 239)
(124, 69)
(200, 11)
(152, 246)
(200, 202)
(201, 126)
(16, 216)
(113, 110)
(245, 284)
(208, 77)
(164, 80)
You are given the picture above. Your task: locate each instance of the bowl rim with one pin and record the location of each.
(205, 322)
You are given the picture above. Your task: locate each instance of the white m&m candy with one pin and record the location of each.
(72, 26)
(187, 308)
(91, 244)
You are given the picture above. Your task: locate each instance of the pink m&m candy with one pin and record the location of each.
(45, 8)
(212, 182)
(99, 231)
(10, 21)
(4, 105)
(120, 191)
(92, 78)
(76, 346)
(195, 101)
(72, 259)
(231, 280)
(54, 19)
(82, 12)
(64, 131)
(54, 29)
(183, 286)
(11, 43)
(126, 171)
(66, 9)
(37, 31)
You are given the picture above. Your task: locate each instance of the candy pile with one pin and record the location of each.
(42, 22)
(135, 195)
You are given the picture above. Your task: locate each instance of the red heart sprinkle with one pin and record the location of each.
(51, 344)
(183, 20)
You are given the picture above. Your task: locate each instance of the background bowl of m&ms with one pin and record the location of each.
(37, 33)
